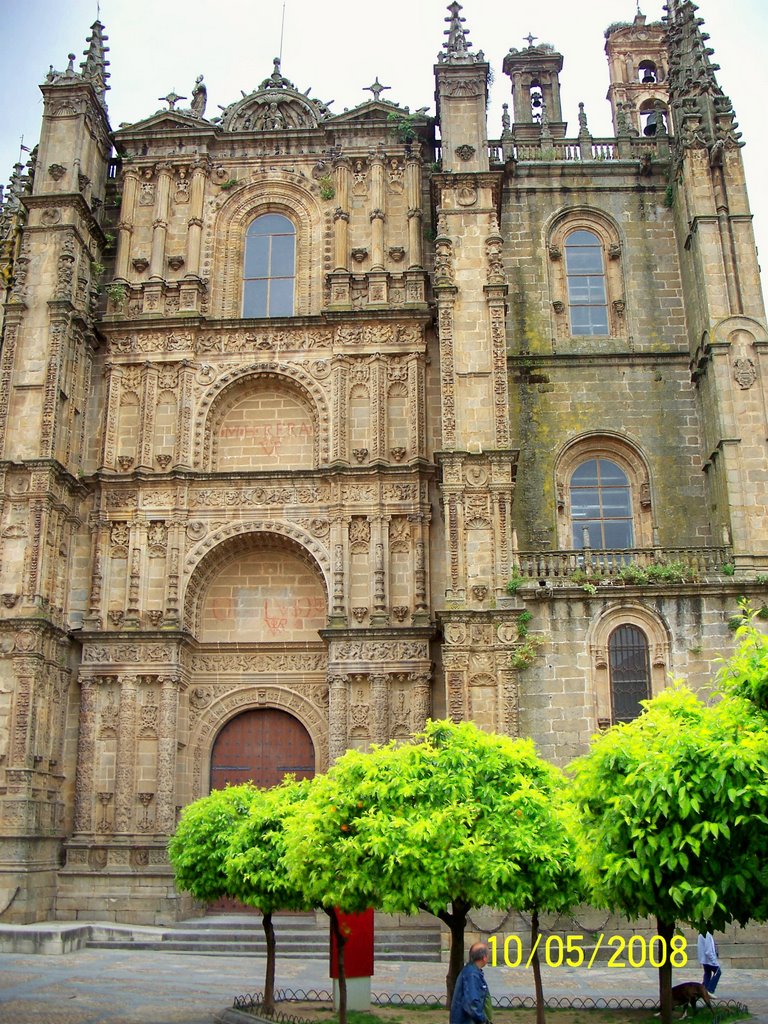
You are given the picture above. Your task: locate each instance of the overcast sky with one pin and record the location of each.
(337, 47)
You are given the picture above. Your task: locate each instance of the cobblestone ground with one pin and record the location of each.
(124, 987)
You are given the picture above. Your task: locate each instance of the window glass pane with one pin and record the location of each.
(618, 534)
(586, 473)
(271, 224)
(281, 296)
(586, 291)
(282, 256)
(610, 473)
(585, 503)
(595, 534)
(582, 237)
(589, 320)
(583, 261)
(255, 298)
(256, 256)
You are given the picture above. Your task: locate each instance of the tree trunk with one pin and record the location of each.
(666, 930)
(536, 965)
(269, 977)
(342, 979)
(456, 919)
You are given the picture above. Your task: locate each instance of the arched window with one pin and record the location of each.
(601, 505)
(630, 672)
(585, 274)
(270, 267)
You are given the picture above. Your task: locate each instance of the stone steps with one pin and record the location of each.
(296, 938)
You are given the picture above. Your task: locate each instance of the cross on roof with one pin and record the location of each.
(529, 38)
(377, 88)
(172, 99)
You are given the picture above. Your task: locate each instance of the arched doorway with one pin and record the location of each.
(261, 746)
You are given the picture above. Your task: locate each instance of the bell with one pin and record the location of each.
(651, 123)
(649, 78)
(536, 100)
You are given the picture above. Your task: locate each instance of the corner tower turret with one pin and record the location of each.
(461, 97)
(721, 279)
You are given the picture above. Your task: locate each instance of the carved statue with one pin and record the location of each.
(199, 97)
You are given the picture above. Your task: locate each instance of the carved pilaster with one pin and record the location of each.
(421, 701)
(380, 707)
(341, 218)
(183, 454)
(114, 393)
(338, 697)
(146, 443)
(125, 760)
(22, 729)
(165, 812)
(86, 755)
(195, 222)
(7, 358)
(377, 214)
(445, 305)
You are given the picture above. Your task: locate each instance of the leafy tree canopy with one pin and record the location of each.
(674, 812)
(198, 849)
(255, 855)
(746, 672)
(460, 816)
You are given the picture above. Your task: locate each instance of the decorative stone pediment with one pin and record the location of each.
(274, 106)
(166, 120)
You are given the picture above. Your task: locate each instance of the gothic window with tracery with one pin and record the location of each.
(630, 672)
(585, 274)
(270, 267)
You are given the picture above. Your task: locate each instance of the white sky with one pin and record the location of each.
(339, 46)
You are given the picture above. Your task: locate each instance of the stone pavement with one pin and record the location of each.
(96, 986)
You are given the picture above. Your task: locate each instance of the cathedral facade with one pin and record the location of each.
(315, 425)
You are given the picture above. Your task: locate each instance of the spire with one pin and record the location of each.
(703, 114)
(457, 45)
(94, 67)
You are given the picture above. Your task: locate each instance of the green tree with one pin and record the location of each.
(231, 843)
(745, 673)
(673, 813)
(460, 819)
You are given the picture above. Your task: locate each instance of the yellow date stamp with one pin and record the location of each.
(578, 951)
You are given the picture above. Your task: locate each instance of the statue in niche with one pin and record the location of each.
(199, 97)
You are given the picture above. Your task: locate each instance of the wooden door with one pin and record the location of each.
(261, 746)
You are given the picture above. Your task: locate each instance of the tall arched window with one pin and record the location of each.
(630, 670)
(587, 294)
(270, 267)
(601, 504)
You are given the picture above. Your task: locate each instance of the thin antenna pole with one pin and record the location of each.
(282, 29)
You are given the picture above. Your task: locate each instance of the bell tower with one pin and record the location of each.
(535, 73)
(638, 67)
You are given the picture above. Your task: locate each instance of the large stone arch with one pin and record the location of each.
(288, 375)
(222, 709)
(208, 557)
(269, 192)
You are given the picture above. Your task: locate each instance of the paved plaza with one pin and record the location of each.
(96, 986)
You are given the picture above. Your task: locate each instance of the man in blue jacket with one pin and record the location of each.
(471, 999)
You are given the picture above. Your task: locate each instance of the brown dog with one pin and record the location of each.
(688, 994)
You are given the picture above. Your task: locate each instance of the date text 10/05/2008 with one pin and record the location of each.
(572, 951)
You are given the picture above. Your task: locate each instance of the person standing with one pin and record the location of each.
(471, 1003)
(707, 951)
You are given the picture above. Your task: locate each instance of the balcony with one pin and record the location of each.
(623, 565)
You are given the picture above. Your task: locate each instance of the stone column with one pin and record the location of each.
(378, 204)
(125, 758)
(165, 800)
(380, 549)
(114, 389)
(160, 222)
(146, 441)
(125, 226)
(338, 697)
(86, 754)
(195, 222)
(341, 216)
(413, 199)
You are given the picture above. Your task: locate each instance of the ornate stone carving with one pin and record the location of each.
(744, 373)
